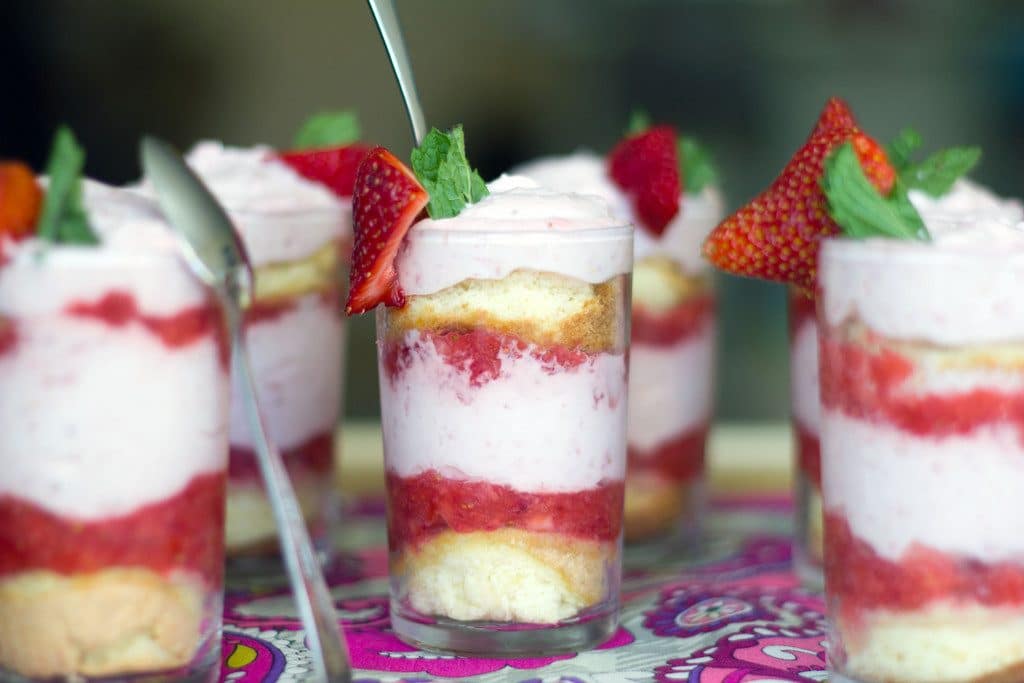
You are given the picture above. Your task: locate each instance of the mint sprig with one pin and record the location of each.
(857, 206)
(328, 129)
(441, 166)
(62, 219)
(639, 121)
(936, 174)
(901, 149)
(696, 167)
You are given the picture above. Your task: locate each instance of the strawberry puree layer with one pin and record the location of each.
(314, 456)
(859, 579)
(882, 386)
(690, 318)
(679, 459)
(184, 531)
(429, 503)
(487, 406)
(188, 326)
(808, 454)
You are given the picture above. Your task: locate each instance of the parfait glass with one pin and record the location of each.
(114, 405)
(922, 441)
(504, 407)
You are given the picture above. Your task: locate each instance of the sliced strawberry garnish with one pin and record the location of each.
(646, 167)
(776, 236)
(386, 200)
(334, 167)
(21, 199)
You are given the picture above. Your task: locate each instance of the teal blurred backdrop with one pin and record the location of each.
(527, 77)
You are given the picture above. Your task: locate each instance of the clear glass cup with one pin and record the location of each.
(671, 373)
(504, 428)
(805, 411)
(113, 401)
(922, 435)
(296, 335)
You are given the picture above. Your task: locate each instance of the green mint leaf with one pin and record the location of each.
(859, 209)
(328, 129)
(441, 166)
(936, 174)
(63, 219)
(695, 164)
(639, 121)
(902, 149)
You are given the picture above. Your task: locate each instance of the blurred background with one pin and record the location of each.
(528, 78)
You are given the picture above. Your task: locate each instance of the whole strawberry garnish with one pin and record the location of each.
(776, 236)
(21, 200)
(326, 151)
(386, 200)
(646, 167)
(334, 167)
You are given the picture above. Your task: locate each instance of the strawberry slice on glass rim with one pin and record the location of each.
(387, 198)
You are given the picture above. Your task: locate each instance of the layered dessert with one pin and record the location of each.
(671, 388)
(293, 213)
(962, 201)
(922, 390)
(503, 381)
(113, 400)
(921, 400)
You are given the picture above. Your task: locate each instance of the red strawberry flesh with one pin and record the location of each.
(21, 200)
(777, 234)
(334, 167)
(386, 201)
(646, 167)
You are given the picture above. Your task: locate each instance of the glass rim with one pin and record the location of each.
(918, 252)
(621, 231)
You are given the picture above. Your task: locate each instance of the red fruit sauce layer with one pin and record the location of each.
(870, 385)
(802, 309)
(479, 353)
(678, 459)
(314, 456)
(189, 325)
(808, 454)
(427, 504)
(686, 319)
(185, 531)
(266, 311)
(860, 579)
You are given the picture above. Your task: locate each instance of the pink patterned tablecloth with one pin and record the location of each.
(734, 615)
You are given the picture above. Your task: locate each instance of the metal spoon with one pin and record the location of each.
(391, 33)
(216, 255)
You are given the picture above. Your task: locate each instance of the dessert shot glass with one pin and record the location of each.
(296, 338)
(805, 411)
(504, 407)
(113, 401)
(922, 440)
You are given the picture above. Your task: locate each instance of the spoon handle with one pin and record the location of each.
(312, 598)
(390, 32)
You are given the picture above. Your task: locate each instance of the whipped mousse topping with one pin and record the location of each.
(966, 199)
(281, 215)
(961, 287)
(527, 227)
(587, 173)
(134, 237)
